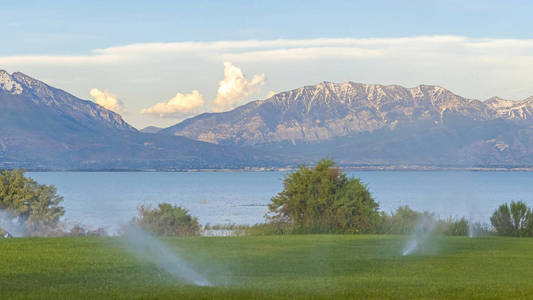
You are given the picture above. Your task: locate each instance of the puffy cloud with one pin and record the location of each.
(235, 87)
(179, 106)
(107, 100)
(231, 90)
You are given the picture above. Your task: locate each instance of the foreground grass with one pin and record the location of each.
(317, 266)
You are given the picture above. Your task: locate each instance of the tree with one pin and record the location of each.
(515, 219)
(167, 220)
(324, 199)
(34, 206)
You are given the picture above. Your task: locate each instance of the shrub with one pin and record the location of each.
(34, 206)
(481, 229)
(405, 220)
(167, 220)
(453, 227)
(402, 221)
(271, 228)
(81, 230)
(324, 200)
(515, 219)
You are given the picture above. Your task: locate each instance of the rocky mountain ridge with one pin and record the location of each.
(360, 124)
(328, 110)
(355, 124)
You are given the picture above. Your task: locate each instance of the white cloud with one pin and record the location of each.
(231, 91)
(303, 54)
(107, 100)
(235, 87)
(179, 106)
(273, 49)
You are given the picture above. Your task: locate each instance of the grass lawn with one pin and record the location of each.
(313, 266)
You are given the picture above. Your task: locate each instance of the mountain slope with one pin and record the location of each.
(364, 123)
(24, 97)
(328, 110)
(44, 127)
(512, 110)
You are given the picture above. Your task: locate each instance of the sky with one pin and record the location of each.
(159, 62)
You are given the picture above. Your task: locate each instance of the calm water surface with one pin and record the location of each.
(110, 199)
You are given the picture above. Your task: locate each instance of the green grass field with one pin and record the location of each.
(314, 266)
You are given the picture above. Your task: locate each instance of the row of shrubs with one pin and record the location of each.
(392, 224)
(168, 220)
(324, 200)
(313, 200)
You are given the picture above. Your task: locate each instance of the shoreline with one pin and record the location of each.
(384, 168)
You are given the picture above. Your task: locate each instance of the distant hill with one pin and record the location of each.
(47, 128)
(151, 129)
(358, 123)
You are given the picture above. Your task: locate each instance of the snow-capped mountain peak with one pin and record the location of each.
(9, 85)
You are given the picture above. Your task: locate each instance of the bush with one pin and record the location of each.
(81, 230)
(324, 200)
(453, 227)
(33, 206)
(515, 219)
(167, 220)
(270, 228)
(403, 221)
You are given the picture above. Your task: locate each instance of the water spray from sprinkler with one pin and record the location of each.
(11, 225)
(144, 246)
(423, 229)
(471, 231)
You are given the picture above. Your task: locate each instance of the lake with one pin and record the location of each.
(108, 199)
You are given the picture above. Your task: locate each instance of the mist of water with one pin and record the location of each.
(476, 229)
(11, 225)
(146, 247)
(471, 230)
(423, 229)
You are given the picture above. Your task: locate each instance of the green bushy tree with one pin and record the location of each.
(323, 199)
(515, 219)
(35, 206)
(167, 220)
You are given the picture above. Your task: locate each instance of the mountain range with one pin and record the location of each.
(353, 123)
(47, 128)
(356, 123)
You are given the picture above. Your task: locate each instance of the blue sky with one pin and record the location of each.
(475, 48)
(69, 27)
